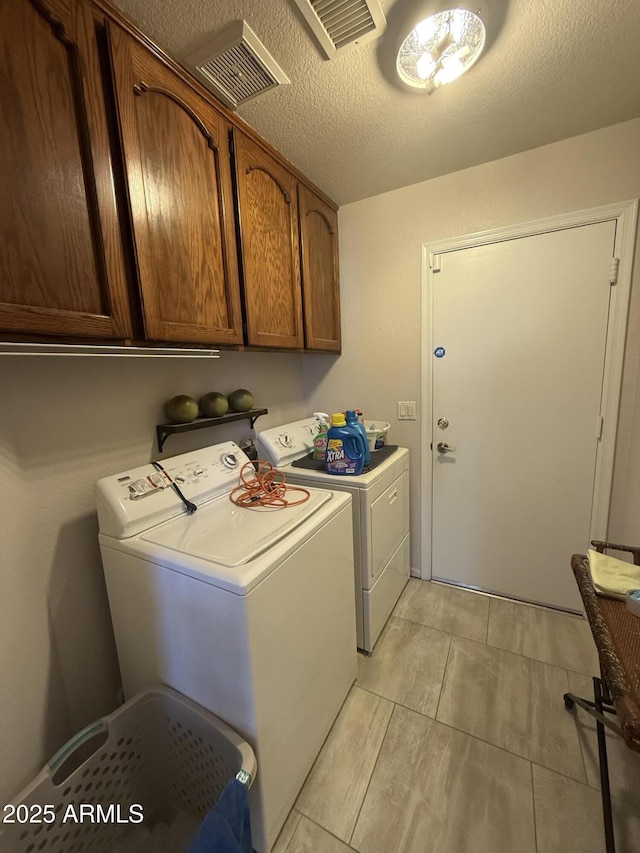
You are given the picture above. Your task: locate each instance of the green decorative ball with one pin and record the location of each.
(181, 409)
(241, 400)
(213, 405)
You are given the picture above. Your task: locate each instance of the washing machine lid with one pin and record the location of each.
(223, 533)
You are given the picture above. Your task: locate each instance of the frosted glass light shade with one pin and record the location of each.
(447, 44)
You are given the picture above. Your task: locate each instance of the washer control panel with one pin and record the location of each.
(142, 497)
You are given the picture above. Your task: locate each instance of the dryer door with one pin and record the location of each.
(389, 519)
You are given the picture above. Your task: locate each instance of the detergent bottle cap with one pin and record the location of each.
(337, 419)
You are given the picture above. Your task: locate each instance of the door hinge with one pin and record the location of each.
(599, 427)
(435, 263)
(613, 271)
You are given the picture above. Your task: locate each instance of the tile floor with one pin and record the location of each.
(455, 739)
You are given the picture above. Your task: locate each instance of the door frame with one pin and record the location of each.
(625, 214)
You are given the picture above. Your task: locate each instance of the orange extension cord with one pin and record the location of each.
(263, 485)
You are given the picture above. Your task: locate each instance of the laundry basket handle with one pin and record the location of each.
(73, 744)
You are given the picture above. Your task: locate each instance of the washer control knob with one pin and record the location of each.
(285, 440)
(229, 460)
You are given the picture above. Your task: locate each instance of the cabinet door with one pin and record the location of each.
(61, 262)
(268, 213)
(320, 277)
(178, 172)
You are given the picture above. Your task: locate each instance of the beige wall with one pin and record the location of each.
(64, 423)
(380, 246)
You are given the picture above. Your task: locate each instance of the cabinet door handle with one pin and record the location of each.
(393, 496)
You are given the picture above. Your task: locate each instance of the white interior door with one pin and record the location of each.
(519, 332)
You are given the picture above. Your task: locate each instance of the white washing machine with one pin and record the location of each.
(248, 612)
(380, 517)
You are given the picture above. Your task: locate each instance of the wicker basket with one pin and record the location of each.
(159, 759)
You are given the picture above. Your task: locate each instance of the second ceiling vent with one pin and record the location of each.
(236, 66)
(340, 25)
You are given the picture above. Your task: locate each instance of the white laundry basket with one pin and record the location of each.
(160, 756)
(376, 433)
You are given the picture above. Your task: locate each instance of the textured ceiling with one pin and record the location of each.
(555, 69)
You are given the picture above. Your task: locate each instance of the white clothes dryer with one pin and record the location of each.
(248, 612)
(380, 506)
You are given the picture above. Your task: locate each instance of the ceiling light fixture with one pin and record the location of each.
(440, 48)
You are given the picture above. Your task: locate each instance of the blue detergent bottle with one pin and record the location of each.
(344, 448)
(352, 421)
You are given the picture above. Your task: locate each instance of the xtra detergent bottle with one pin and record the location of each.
(344, 448)
(353, 421)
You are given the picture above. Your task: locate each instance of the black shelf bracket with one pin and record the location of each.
(163, 431)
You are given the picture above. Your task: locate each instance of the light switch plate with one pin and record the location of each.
(407, 411)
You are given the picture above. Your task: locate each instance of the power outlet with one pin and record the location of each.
(407, 411)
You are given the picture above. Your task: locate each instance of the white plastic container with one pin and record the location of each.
(376, 433)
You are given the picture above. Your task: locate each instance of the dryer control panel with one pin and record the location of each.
(284, 444)
(140, 498)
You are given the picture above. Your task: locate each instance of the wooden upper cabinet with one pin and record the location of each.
(61, 263)
(268, 212)
(178, 173)
(320, 275)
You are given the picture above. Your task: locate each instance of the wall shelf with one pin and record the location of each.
(163, 431)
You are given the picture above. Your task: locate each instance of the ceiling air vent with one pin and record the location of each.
(340, 25)
(236, 66)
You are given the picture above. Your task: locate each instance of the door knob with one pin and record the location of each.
(443, 447)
